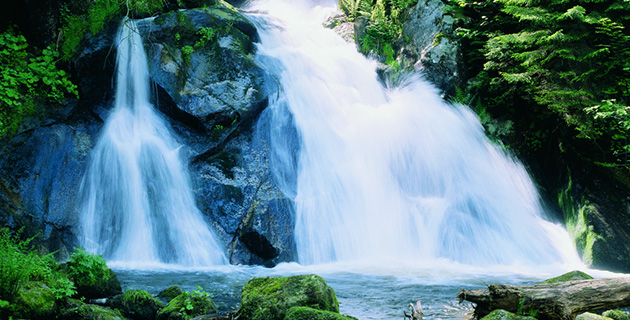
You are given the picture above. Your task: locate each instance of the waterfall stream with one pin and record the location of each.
(137, 205)
(388, 174)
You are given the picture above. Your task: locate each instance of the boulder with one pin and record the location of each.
(188, 305)
(501, 314)
(270, 298)
(137, 304)
(34, 300)
(170, 293)
(591, 316)
(78, 310)
(616, 315)
(306, 313)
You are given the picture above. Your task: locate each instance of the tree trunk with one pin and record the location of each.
(561, 300)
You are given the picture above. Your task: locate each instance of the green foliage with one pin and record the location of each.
(92, 16)
(186, 52)
(563, 63)
(19, 264)
(26, 80)
(385, 19)
(192, 299)
(87, 269)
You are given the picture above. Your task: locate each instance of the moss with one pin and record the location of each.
(501, 314)
(576, 214)
(616, 315)
(91, 275)
(34, 300)
(573, 275)
(271, 298)
(306, 313)
(137, 304)
(188, 305)
(90, 311)
(170, 293)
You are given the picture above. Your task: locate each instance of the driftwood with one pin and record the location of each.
(416, 311)
(561, 300)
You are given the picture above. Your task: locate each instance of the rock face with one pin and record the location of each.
(213, 95)
(218, 97)
(433, 45)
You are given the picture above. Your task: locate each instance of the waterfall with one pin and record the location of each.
(387, 174)
(137, 203)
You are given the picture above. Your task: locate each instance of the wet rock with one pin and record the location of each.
(306, 313)
(501, 314)
(616, 315)
(81, 311)
(203, 59)
(188, 305)
(433, 46)
(271, 298)
(34, 300)
(170, 293)
(591, 316)
(137, 304)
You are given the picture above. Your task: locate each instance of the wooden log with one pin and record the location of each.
(561, 300)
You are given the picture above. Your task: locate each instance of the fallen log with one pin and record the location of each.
(560, 300)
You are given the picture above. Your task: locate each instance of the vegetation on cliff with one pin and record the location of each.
(559, 67)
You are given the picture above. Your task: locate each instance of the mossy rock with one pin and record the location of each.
(90, 312)
(91, 275)
(188, 305)
(500, 314)
(591, 316)
(271, 298)
(616, 315)
(306, 313)
(170, 293)
(573, 275)
(34, 300)
(137, 304)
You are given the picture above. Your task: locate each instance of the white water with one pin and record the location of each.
(138, 207)
(391, 176)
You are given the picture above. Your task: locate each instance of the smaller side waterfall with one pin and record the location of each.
(137, 204)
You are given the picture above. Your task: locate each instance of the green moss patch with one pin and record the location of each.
(573, 275)
(306, 313)
(270, 298)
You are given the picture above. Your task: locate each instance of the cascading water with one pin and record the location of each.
(138, 206)
(390, 174)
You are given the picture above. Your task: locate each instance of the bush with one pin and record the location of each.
(91, 275)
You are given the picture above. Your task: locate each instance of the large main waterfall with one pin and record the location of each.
(388, 174)
(137, 204)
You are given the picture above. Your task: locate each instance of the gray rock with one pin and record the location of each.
(432, 46)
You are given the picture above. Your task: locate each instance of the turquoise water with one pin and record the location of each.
(364, 292)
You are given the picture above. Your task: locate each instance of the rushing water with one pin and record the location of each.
(138, 206)
(390, 173)
(398, 196)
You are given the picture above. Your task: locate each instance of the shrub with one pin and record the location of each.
(91, 275)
